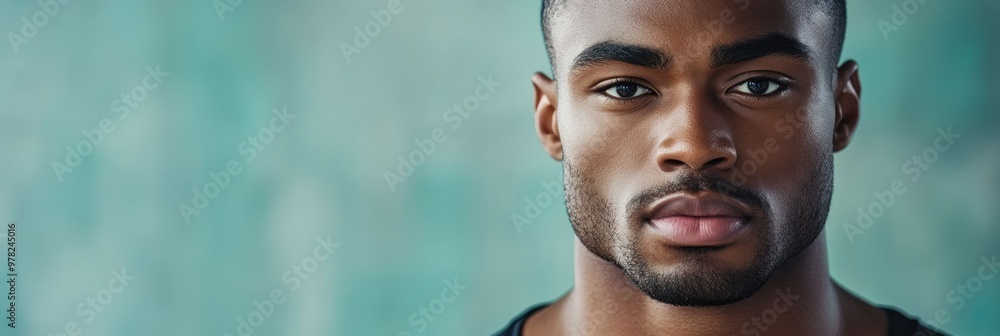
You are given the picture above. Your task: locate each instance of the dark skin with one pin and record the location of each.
(690, 100)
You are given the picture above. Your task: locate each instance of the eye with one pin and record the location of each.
(759, 86)
(626, 90)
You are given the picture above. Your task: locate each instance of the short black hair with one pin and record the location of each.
(836, 8)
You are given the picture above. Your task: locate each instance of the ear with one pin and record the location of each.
(848, 99)
(546, 124)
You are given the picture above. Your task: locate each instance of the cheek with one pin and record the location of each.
(606, 151)
(783, 165)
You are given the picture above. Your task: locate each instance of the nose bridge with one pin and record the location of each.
(696, 133)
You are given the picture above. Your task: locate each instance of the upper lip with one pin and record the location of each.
(704, 204)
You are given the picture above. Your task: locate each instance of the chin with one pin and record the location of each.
(699, 286)
(697, 276)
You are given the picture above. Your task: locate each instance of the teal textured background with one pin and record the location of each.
(322, 175)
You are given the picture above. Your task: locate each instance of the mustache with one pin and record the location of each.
(696, 182)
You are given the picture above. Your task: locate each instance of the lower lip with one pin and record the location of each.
(699, 231)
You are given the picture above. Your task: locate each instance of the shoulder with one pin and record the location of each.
(901, 324)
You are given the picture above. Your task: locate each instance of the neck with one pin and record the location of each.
(798, 299)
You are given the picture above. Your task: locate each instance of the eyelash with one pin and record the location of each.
(783, 86)
(615, 82)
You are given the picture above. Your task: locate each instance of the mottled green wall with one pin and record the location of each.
(320, 175)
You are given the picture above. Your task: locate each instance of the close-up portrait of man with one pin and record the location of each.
(697, 142)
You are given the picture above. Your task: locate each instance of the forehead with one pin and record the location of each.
(681, 29)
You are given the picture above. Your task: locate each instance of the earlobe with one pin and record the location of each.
(546, 123)
(848, 100)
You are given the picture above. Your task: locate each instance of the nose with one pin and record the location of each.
(696, 137)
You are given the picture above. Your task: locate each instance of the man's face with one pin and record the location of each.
(697, 138)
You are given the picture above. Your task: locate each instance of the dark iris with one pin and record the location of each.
(758, 86)
(626, 90)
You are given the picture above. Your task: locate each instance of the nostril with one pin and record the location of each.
(673, 162)
(715, 162)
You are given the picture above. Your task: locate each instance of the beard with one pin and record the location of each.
(695, 280)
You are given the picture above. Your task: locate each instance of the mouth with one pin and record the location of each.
(704, 219)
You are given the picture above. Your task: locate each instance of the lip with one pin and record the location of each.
(698, 220)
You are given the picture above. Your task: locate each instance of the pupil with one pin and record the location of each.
(625, 90)
(757, 86)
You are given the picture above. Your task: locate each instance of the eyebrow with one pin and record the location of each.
(741, 51)
(608, 51)
(768, 45)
